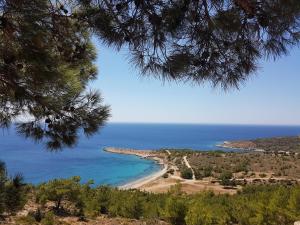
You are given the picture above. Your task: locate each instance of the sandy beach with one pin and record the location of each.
(145, 154)
(145, 180)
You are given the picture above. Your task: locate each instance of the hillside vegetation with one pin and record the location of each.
(66, 201)
(276, 144)
(249, 164)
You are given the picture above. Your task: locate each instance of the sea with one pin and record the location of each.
(90, 162)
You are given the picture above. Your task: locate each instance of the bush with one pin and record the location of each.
(186, 173)
(37, 215)
(262, 175)
(12, 192)
(198, 174)
(175, 211)
(126, 204)
(15, 196)
(225, 178)
(171, 171)
(241, 167)
(26, 220)
(165, 175)
(49, 219)
(207, 172)
(3, 179)
(207, 213)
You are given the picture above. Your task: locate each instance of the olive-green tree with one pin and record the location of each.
(59, 191)
(12, 192)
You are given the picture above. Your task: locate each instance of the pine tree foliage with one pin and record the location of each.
(3, 178)
(12, 192)
(217, 41)
(45, 66)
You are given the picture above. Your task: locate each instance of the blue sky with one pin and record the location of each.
(269, 97)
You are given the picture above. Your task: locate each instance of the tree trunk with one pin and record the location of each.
(58, 204)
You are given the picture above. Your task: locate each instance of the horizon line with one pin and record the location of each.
(197, 123)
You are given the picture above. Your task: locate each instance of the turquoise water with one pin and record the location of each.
(89, 161)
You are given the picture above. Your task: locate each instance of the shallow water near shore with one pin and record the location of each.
(89, 161)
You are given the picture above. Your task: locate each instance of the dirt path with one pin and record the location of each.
(189, 166)
(168, 152)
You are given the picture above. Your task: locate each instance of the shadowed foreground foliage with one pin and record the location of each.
(12, 192)
(47, 59)
(46, 63)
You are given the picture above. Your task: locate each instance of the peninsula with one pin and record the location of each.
(220, 171)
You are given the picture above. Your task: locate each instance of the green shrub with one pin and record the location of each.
(241, 167)
(171, 171)
(207, 172)
(165, 175)
(175, 211)
(186, 173)
(126, 204)
(37, 215)
(207, 213)
(96, 200)
(12, 192)
(198, 174)
(225, 178)
(26, 220)
(49, 219)
(3, 178)
(262, 175)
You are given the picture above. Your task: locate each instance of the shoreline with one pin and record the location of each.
(144, 180)
(143, 154)
(157, 182)
(238, 145)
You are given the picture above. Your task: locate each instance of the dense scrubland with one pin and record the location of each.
(279, 144)
(49, 202)
(277, 158)
(240, 164)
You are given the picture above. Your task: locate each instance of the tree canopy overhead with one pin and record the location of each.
(47, 59)
(219, 41)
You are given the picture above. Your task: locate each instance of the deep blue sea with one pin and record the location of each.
(89, 161)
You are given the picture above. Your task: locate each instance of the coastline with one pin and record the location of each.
(143, 154)
(144, 180)
(240, 145)
(170, 174)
